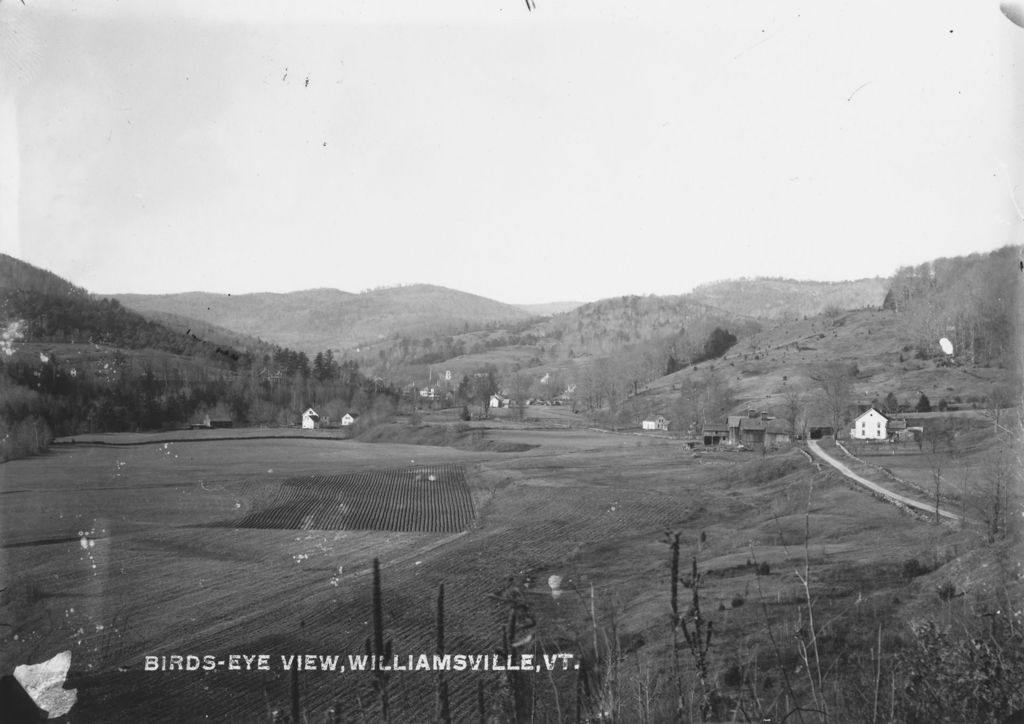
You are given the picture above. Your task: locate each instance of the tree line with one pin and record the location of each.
(970, 300)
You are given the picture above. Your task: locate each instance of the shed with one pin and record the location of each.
(715, 434)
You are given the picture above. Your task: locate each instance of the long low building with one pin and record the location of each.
(755, 429)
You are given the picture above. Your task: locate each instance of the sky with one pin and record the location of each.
(581, 150)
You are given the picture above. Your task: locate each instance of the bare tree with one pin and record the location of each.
(997, 400)
(994, 499)
(939, 443)
(835, 386)
(794, 406)
(704, 400)
(518, 384)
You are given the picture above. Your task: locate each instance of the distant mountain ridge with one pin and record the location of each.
(548, 309)
(319, 319)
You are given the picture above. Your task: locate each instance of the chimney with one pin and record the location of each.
(752, 414)
(764, 416)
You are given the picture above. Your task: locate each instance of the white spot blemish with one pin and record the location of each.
(44, 682)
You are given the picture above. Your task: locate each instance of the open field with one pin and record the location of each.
(121, 552)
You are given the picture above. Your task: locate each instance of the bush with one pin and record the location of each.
(944, 676)
(946, 591)
(912, 568)
(763, 569)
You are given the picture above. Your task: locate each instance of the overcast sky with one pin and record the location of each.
(583, 150)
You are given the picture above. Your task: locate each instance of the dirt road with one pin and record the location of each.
(926, 507)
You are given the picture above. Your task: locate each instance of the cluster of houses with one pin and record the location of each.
(311, 420)
(758, 429)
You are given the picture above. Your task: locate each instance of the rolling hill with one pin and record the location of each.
(549, 308)
(319, 319)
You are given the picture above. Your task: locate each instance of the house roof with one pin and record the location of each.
(869, 411)
(734, 420)
(311, 413)
(748, 423)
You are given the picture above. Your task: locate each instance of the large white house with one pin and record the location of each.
(870, 425)
(310, 419)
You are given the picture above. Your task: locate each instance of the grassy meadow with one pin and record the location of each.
(119, 552)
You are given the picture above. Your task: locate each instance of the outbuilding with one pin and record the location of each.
(310, 419)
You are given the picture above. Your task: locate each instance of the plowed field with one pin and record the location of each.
(420, 499)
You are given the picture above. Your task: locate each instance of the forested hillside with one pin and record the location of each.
(971, 300)
(772, 298)
(74, 363)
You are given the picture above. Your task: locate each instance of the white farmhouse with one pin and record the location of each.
(658, 423)
(310, 419)
(348, 419)
(871, 425)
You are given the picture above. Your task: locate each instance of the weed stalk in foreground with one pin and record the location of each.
(380, 649)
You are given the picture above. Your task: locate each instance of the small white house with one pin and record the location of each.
(499, 401)
(870, 425)
(310, 419)
(348, 419)
(658, 423)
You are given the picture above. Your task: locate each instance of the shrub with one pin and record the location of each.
(912, 568)
(763, 569)
(737, 601)
(946, 591)
(944, 676)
